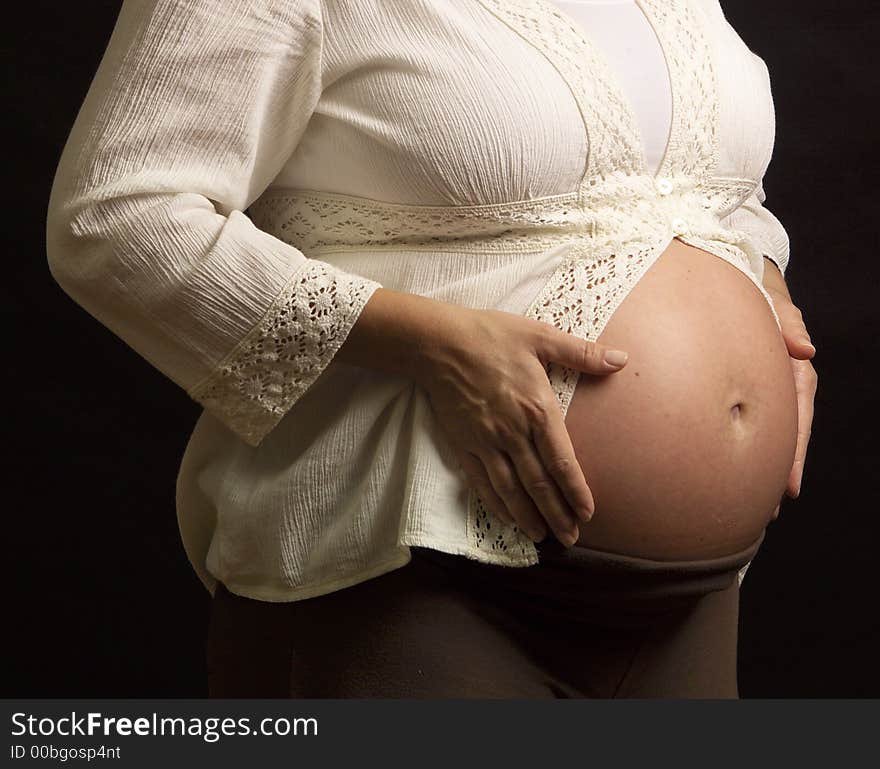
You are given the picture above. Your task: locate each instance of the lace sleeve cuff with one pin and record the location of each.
(259, 381)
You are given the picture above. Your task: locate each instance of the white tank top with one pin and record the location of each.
(622, 33)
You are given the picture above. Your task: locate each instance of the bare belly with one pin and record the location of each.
(688, 448)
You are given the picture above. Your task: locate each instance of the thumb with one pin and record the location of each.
(573, 352)
(799, 344)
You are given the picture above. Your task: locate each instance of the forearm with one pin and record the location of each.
(399, 332)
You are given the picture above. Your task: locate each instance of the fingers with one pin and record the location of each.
(801, 350)
(794, 330)
(806, 381)
(545, 493)
(572, 352)
(517, 501)
(555, 449)
(476, 475)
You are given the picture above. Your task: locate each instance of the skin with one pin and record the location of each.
(801, 350)
(687, 450)
(483, 372)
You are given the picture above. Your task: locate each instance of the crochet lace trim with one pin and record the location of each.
(314, 219)
(284, 354)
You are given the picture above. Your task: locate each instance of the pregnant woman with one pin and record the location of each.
(501, 379)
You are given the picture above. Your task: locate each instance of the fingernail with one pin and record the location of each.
(615, 358)
(805, 340)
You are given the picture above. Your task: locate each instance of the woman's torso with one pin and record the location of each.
(442, 140)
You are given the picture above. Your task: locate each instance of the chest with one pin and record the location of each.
(470, 102)
(626, 39)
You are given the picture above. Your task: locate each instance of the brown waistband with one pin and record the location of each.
(569, 579)
(552, 552)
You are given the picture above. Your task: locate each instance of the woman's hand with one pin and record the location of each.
(486, 380)
(801, 350)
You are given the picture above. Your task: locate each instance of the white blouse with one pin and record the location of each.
(627, 40)
(244, 174)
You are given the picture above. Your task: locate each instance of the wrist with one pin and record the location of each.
(400, 333)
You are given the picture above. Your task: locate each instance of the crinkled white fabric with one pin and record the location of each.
(476, 151)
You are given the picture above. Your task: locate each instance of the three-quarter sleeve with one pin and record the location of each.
(194, 109)
(763, 228)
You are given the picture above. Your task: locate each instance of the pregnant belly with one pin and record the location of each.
(688, 448)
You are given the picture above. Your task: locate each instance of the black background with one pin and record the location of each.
(104, 603)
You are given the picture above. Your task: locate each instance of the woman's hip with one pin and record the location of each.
(578, 623)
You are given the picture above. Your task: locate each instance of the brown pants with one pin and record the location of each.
(580, 623)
